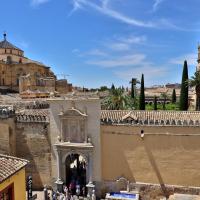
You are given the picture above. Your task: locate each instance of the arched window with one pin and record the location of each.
(9, 59)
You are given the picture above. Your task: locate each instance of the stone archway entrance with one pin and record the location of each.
(74, 163)
(75, 166)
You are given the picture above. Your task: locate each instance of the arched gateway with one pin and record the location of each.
(74, 150)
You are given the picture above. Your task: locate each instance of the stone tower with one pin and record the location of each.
(198, 60)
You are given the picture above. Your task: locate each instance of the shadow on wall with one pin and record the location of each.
(154, 166)
(29, 147)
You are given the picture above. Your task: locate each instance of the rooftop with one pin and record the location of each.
(7, 45)
(153, 118)
(10, 165)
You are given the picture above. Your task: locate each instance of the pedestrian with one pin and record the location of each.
(62, 196)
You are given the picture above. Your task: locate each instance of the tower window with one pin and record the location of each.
(9, 59)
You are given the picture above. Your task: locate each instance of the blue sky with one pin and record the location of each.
(100, 42)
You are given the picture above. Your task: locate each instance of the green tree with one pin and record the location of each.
(112, 87)
(183, 104)
(103, 88)
(195, 82)
(117, 100)
(133, 82)
(155, 103)
(174, 96)
(164, 97)
(142, 95)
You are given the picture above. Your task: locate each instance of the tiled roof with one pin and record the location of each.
(33, 115)
(7, 45)
(10, 165)
(155, 118)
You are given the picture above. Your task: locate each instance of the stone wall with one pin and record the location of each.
(33, 143)
(7, 136)
(167, 155)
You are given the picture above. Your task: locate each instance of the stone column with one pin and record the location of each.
(59, 181)
(90, 185)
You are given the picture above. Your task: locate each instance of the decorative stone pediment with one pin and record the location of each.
(73, 126)
(129, 117)
(73, 112)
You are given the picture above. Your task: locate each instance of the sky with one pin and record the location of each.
(100, 42)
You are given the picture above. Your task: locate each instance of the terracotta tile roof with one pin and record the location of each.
(159, 118)
(33, 115)
(10, 165)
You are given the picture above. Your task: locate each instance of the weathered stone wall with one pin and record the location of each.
(167, 155)
(33, 144)
(7, 136)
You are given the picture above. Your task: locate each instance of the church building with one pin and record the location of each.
(21, 74)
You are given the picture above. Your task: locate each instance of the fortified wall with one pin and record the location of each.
(160, 147)
(151, 147)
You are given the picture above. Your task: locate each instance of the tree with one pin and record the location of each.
(155, 103)
(174, 96)
(164, 97)
(142, 95)
(117, 100)
(103, 88)
(195, 82)
(133, 82)
(183, 104)
(112, 87)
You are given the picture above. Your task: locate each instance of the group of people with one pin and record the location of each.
(69, 193)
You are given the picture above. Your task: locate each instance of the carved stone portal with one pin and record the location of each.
(73, 126)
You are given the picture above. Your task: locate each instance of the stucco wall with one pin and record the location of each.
(166, 154)
(19, 184)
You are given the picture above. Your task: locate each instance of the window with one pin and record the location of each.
(9, 59)
(7, 193)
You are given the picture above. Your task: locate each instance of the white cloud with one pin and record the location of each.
(38, 2)
(120, 61)
(117, 46)
(134, 39)
(76, 6)
(152, 74)
(125, 43)
(157, 4)
(103, 9)
(191, 59)
(96, 52)
(75, 51)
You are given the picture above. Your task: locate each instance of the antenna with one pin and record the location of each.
(63, 75)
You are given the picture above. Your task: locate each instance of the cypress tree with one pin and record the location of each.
(183, 104)
(155, 103)
(112, 87)
(174, 96)
(142, 96)
(132, 89)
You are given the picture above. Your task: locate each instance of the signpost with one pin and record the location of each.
(29, 188)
